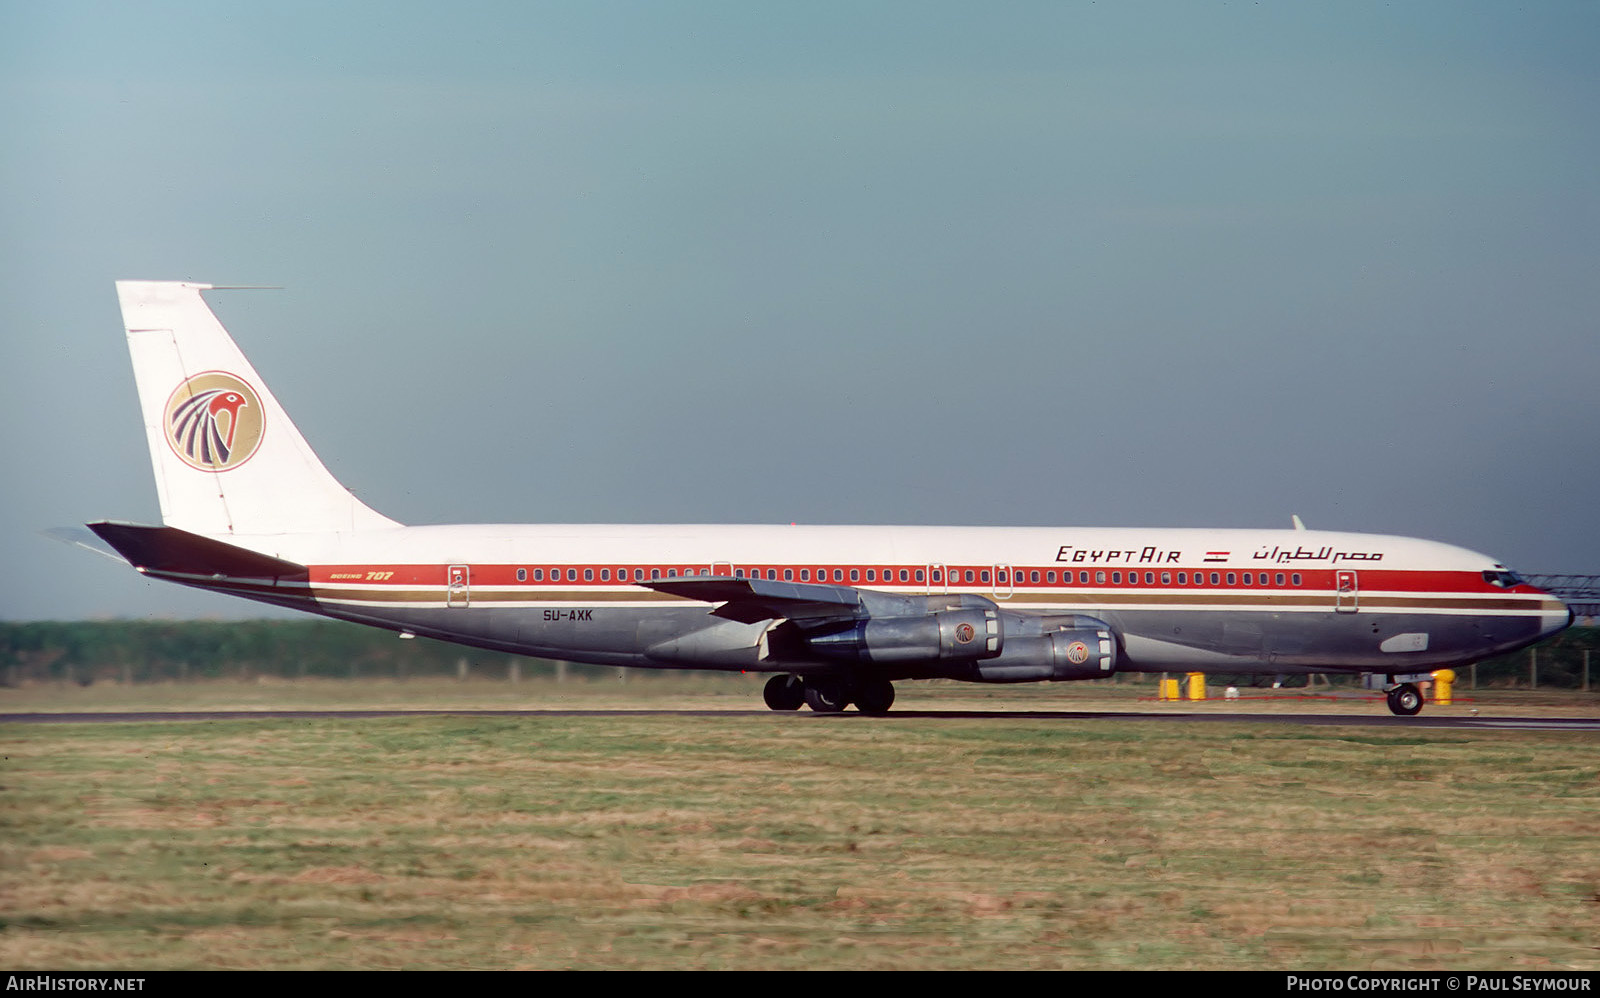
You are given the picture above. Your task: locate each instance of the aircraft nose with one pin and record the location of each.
(1556, 617)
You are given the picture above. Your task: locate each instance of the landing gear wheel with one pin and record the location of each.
(1405, 700)
(784, 692)
(827, 696)
(874, 696)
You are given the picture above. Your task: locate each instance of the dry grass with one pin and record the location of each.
(794, 841)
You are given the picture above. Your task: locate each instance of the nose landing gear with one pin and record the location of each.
(1405, 699)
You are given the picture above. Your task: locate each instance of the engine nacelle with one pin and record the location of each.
(1083, 652)
(946, 634)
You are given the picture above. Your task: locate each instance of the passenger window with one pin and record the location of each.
(1166, 578)
(1295, 578)
(1278, 578)
(655, 573)
(838, 575)
(1034, 577)
(1231, 579)
(1050, 576)
(538, 575)
(855, 575)
(805, 575)
(788, 575)
(969, 575)
(1083, 577)
(1247, 578)
(1215, 578)
(588, 575)
(605, 575)
(1100, 578)
(1116, 578)
(1183, 578)
(983, 576)
(905, 576)
(1149, 578)
(918, 574)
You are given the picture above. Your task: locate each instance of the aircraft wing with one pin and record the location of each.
(751, 600)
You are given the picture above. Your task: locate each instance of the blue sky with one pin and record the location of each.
(1065, 263)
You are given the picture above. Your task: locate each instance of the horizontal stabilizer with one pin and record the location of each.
(752, 600)
(170, 551)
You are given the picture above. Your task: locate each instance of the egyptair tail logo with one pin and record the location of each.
(214, 421)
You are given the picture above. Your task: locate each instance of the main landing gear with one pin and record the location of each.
(829, 694)
(1405, 699)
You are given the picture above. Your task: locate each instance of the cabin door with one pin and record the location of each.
(1346, 595)
(1004, 584)
(457, 588)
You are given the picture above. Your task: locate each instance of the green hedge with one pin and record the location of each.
(158, 651)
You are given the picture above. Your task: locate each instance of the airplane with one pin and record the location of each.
(838, 614)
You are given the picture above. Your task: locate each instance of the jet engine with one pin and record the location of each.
(1081, 652)
(945, 634)
(977, 644)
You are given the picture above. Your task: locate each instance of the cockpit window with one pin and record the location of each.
(1503, 579)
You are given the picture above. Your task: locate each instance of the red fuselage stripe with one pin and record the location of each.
(982, 577)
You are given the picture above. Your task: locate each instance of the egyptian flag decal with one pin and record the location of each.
(214, 421)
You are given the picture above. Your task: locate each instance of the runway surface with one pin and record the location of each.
(999, 716)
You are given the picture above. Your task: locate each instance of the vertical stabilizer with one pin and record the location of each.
(227, 459)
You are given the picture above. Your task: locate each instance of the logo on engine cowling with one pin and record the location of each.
(965, 633)
(214, 421)
(1077, 653)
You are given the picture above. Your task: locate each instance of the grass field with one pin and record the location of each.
(771, 841)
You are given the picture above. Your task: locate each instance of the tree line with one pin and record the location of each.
(166, 651)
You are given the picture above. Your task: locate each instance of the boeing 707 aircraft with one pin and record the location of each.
(839, 614)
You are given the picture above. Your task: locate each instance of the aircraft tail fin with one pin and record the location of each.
(227, 458)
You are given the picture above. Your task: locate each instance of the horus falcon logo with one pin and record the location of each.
(214, 421)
